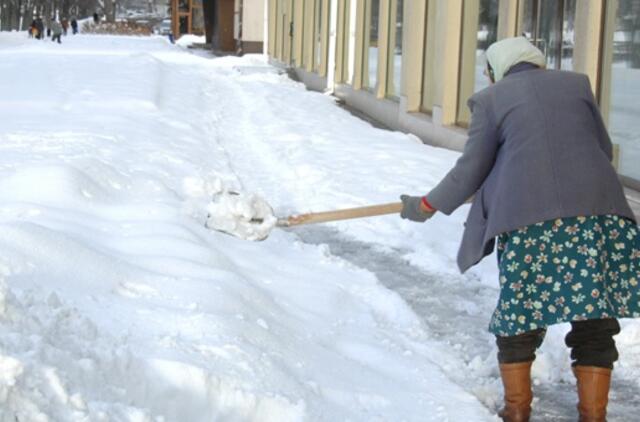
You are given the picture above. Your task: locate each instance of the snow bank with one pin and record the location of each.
(117, 303)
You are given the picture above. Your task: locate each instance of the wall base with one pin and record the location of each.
(251, 47)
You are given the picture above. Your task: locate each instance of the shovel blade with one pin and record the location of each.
(246, 217)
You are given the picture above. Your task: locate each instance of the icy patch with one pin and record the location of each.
(245, 216)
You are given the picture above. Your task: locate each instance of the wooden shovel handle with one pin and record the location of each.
(346, 214)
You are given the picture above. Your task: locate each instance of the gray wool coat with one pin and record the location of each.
(537, 150)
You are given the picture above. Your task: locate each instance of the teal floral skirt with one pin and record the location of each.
(569, 269)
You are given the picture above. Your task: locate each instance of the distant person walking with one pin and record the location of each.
(33, 29)
(56, 30)
(538, 165)
(74, 26)
(96, 18)
(65, 26)
(40, 28)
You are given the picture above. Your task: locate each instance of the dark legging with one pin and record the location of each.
(591, 344)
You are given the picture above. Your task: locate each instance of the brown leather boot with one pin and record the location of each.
(593, 392)
(516, 378)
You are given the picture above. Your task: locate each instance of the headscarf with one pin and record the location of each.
(505, 54)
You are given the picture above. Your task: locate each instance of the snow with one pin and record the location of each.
(117, 303)
(188, 40)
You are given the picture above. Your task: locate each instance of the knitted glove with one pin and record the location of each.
(413, 210)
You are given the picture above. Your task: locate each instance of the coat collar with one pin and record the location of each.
(520, 67)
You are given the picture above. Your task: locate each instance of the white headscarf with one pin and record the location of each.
(504, 54)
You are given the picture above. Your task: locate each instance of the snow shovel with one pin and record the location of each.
(251, 218)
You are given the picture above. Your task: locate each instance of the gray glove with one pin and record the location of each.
(411, 209)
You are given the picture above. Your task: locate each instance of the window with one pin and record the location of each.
(197, 18)
(624, 124)
(549, 24)
(487, 35)
(395, 47)
(372, 44)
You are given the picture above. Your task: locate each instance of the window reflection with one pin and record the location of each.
(396, 68)
(624, 124)
(487, 35)
(197, 17)
(549, 24)
(372, 45)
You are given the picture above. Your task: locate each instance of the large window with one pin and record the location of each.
(549, 24)
(487, 35)
(373, 10)
(395, 69)
(624, 119)
(197, 17)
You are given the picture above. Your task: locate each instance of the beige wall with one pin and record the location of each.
(253, 20)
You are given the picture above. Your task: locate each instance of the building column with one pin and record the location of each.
(588, 46)
(448, 35)
(509, 16)
(413, 42)
(359, 44)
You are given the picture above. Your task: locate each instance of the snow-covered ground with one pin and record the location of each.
(117, 304)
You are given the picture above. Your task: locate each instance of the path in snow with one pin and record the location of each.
(457, 315)
(117, 304)
(296, 159)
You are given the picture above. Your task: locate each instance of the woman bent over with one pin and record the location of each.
(538, 164)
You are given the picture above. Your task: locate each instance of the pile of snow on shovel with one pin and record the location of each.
(246, 216)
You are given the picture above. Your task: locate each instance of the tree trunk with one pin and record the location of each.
(110, 10)
(208, 8)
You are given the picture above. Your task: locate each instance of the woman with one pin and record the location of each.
(538, 164)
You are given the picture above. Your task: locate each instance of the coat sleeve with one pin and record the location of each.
(601, 130)
(475, 164)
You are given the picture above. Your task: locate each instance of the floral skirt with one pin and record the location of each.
(569, 269)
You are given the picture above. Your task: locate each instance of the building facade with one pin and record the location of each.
(249, 25)
(230, 26)
(412, 65)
